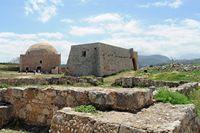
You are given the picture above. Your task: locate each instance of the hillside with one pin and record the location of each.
(152, 60)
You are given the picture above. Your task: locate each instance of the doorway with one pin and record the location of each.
(39, 68)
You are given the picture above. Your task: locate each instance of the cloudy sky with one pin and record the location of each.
(167, 27)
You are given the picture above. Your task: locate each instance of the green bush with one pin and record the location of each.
(167, 96)
(86, 109)
(3, 86)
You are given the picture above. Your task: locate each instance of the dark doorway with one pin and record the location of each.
(39, 69)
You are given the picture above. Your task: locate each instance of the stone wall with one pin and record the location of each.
(114, 59)
(143, 82)
(36, 105)
(5, 114)
(159, 118)
(83, 60)
(49, 81)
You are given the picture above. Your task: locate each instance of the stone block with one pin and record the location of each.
(159, 118)
(5, 114)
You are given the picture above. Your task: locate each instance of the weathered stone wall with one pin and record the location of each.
(159, 118)
(79, 64)
(49, 81)
(44, 60)
(143, 82)
(36, 105)
(114, 59)
(98, 59)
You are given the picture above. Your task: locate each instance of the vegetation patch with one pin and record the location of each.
(4, 86)
(154, 74)
(86, 109)
(194, 97)
(167, 96)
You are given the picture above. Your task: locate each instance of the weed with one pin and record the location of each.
(86, 109)
(167, 96)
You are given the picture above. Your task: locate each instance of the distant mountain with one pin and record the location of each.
(191, 61)
(153, 60)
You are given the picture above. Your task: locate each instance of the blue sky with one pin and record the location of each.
(168, 27)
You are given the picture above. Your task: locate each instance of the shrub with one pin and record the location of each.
(3, 86)
(86, 109)
(167, 96)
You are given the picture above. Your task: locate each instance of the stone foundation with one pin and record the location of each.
(143, 82)
(159, 118)
(36, 105)
(50, 81)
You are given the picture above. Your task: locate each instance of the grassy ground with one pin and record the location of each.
(110, 79)
(9, 71)
(170, 75)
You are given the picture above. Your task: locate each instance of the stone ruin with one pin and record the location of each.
(120, 110)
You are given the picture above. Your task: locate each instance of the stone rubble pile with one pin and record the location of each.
(176, 67)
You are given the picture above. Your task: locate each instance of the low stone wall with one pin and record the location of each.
(159, 118)
(36, 105)
(186, 88)
(49, 81)
(5, 114)
(143, 82)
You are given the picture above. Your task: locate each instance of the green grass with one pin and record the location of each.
(86, 109)
(11, 131)
(170, 75)
(4, 86)
(194, 97)
(167, 96)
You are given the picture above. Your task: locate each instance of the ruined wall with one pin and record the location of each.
(159, 118)
(130, 82)
(80, 63)
(50, 81)
(37, 59)
(114, 59)
(36, 105)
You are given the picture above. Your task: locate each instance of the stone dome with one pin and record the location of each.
(42, 47)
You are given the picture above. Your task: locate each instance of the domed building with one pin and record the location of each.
(41, 57)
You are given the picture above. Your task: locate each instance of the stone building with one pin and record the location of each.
(41, 57)
(100, 59)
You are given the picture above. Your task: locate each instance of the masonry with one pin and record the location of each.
(100, 59)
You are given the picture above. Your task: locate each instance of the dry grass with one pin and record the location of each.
(110, 79)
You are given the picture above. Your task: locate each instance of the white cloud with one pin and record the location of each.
(178, 38)
(68, 21)
(106, 23)
(13, 44)
(104, 17)
(163, 3)
(84, 31)
(45, 9)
